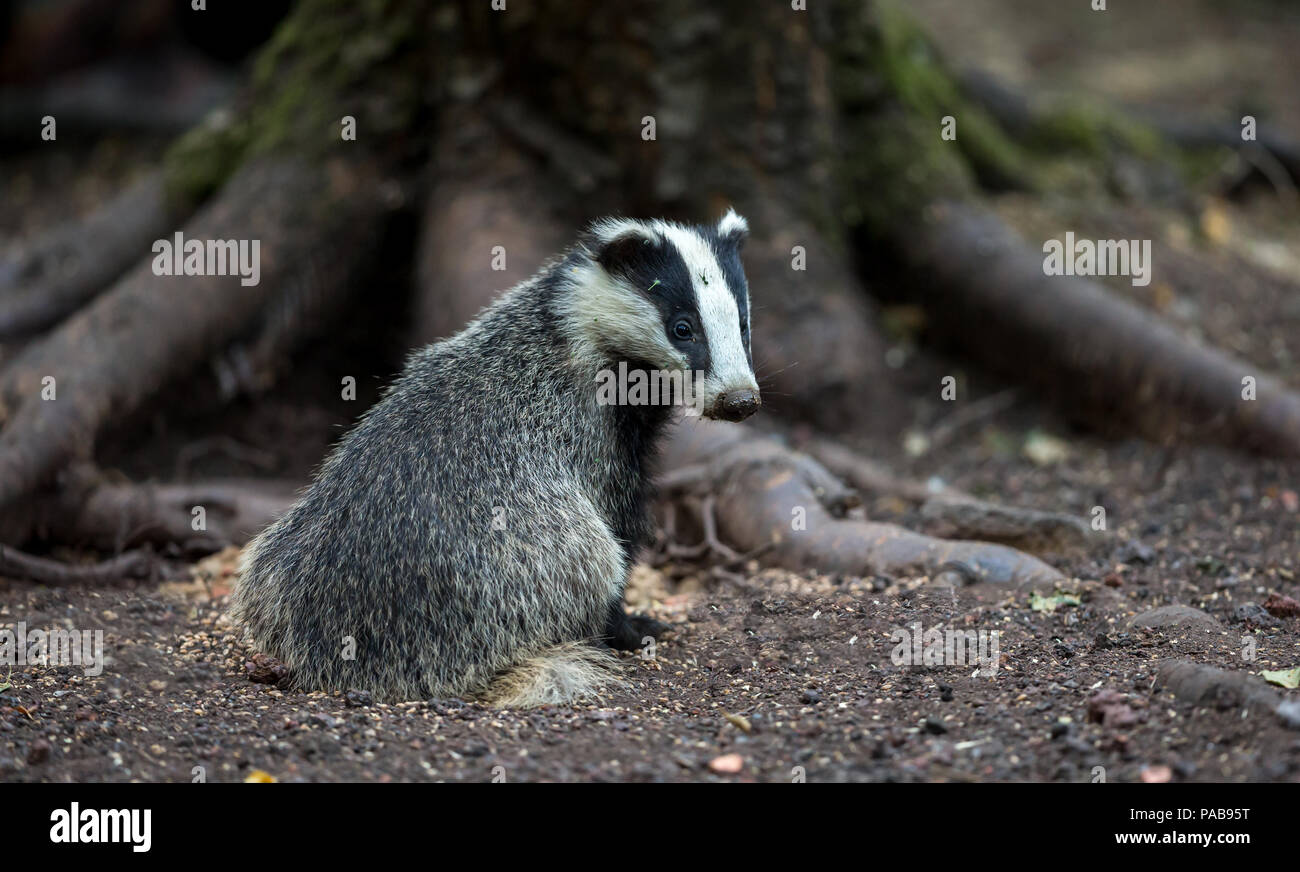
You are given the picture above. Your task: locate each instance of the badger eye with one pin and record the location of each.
(682, 330)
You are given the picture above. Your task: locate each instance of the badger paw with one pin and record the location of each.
(626, 632)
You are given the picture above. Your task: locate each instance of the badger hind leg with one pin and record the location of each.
(571, 672)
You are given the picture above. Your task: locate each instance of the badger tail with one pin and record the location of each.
(571, 672)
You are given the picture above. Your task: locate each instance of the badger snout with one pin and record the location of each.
(735, 405)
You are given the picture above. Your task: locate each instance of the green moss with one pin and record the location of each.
(894, 92)
(1096, 132)
(924, 85)
(328, 59)
(1204, 165)
(199, 161)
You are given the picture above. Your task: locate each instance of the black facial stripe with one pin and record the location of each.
(697, 352)
(728, 256)
(653, 268)
(658, 271)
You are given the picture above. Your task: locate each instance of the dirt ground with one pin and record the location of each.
(791, 674)
(771, 676)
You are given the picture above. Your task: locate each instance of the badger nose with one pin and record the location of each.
(737, 405)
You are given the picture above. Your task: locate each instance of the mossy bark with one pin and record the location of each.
(370, 60)
(818, 107)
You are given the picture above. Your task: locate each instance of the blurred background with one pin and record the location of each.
(889, 260)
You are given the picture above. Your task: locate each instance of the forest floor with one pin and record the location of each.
(769, 675)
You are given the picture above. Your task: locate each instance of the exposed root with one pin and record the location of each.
(108, 98)
(1276, 158)
(953, 514)
(77, 261)
(711, 544)
(985, 289)
(225, 446)
(866, 475)
(16, 564)
(119, 352)
(87, 510)
(768, 498)
(1027, 529)
(1202, 685)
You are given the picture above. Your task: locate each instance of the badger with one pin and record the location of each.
(471, 536)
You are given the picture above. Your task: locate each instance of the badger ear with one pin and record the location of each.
(616, 243)
(733, 228)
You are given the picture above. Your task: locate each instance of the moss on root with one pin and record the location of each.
(1095, 132)
(328, 59)
(925, 86)
(894, 91)
(200, 160)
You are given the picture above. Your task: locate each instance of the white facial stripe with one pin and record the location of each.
(718, 310)
(609, 312)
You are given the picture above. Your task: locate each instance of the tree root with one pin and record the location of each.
(774, 499)
(985, 289)
(16, 564)
(1270, 154)
(313, 225)
(867, 475)
(74, 263)
(108, 99)
(1026, 529)
(820, 357)
(953, 514)
(89, 510)
(711, 544)
(1202, 685)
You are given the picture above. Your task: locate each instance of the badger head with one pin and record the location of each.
(674, 298)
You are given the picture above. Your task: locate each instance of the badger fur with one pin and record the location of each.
(472, 535)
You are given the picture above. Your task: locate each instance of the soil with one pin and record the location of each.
(793, 674)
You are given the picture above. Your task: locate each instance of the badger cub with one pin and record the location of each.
(472, 535)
